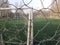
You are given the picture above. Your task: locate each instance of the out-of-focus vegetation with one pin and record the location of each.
(11, 29)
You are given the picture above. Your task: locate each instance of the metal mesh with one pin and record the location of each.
(14, 26)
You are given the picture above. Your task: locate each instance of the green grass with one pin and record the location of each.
(9, 29)
(48, 31)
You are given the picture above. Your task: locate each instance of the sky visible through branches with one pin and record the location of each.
(35, 3)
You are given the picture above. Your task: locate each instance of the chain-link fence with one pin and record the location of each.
(37, 27)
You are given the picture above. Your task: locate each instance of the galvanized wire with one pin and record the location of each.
(25, 18)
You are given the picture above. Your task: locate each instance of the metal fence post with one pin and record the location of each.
(30, 29)
(1, 43)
